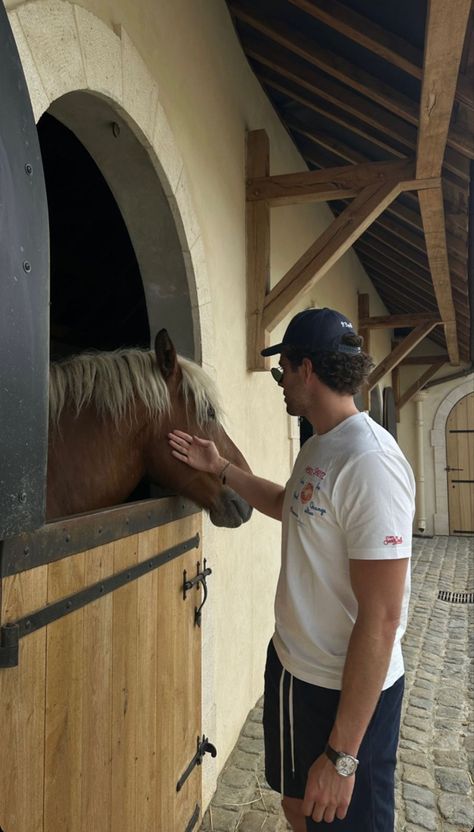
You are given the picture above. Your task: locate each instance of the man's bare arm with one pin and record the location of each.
(202, 454)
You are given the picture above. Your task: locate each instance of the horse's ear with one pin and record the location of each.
(165, 354)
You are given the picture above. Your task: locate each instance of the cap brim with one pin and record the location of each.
(272, 350)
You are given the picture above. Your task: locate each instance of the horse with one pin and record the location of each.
(110, 414)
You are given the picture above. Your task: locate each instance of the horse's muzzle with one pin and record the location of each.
(231, 511)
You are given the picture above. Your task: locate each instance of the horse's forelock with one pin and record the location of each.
(199, 390)
(114, 381)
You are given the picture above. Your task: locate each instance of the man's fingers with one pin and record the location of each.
(341, 812)
(181, 433)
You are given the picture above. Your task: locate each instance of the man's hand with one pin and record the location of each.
(328, 794)
(199, 453)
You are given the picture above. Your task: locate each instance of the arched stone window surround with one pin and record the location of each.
(75, 51)
(438, 443)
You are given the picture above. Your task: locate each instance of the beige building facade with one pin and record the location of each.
(172, 73)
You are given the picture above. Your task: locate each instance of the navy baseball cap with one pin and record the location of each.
(317, 330)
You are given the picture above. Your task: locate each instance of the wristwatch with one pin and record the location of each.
(346, 765)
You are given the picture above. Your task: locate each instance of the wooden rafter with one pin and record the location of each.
(407, 319)
(347, 73)
(444, 39)
(376, 39)
(425, 359)
(400, 352)
(351, 111)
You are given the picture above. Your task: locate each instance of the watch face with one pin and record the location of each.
(346, 766)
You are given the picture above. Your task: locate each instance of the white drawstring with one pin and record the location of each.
(292, 733)
(282, 731)
(282, 766)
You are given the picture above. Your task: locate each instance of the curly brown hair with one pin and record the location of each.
(346, 373)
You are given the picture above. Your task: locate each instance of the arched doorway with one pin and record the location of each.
(460, 466)
(117, 266)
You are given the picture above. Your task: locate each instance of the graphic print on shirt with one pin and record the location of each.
(303, 496)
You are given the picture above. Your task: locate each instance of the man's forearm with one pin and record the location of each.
(264, 495)
(365, 669)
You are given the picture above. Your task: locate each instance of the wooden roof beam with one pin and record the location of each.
(445, 33)
(444, 39)
(425, 359)
(393, 132)
(376, 39)
(432, 213)
(332, 183)
(399, 352)
(345, 72)
(409, 319)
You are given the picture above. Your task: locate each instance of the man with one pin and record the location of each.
(334, 673)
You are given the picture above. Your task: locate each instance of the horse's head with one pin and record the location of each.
(193, 408)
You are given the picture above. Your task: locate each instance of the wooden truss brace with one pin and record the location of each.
(423, 323)
(418, 384)
(374, 186)
(445, 33)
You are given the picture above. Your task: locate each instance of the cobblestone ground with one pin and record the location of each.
(436, 755)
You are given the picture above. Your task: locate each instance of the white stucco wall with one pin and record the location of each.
(177, 70)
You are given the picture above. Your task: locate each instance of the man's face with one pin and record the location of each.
(293, 387)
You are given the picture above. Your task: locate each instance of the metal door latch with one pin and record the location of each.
(200, 578)
(9, 640)
(203, 747)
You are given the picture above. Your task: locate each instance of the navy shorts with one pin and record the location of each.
(311, 711)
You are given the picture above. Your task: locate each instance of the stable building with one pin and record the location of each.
(209, 168)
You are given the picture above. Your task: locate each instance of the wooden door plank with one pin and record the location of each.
(124, 690)
(178, 682)
(97, 696)
(64, 702)
(22, 704)
(149, 756)
(399, 352)
(257, 252)
(327, 250)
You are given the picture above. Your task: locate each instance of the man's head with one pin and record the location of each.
(328, 339)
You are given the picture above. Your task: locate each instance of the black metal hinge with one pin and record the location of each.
(11, 633)
(203, 747)
(199, 578)
(192, 821)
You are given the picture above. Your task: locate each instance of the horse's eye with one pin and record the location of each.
(211, 413)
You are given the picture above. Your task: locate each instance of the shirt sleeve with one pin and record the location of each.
(374, 499)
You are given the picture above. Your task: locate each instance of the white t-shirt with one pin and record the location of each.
(351, 495)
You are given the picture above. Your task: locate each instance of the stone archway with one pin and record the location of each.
(76, 51)
(438, 443)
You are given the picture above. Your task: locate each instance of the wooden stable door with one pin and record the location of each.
(460, 466)
(101, 716)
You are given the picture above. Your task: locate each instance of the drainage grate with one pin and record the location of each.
(456, 597)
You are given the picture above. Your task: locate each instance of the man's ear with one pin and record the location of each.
(165, 354)
(307, 368)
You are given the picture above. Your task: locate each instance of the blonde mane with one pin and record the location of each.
(114, 381)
